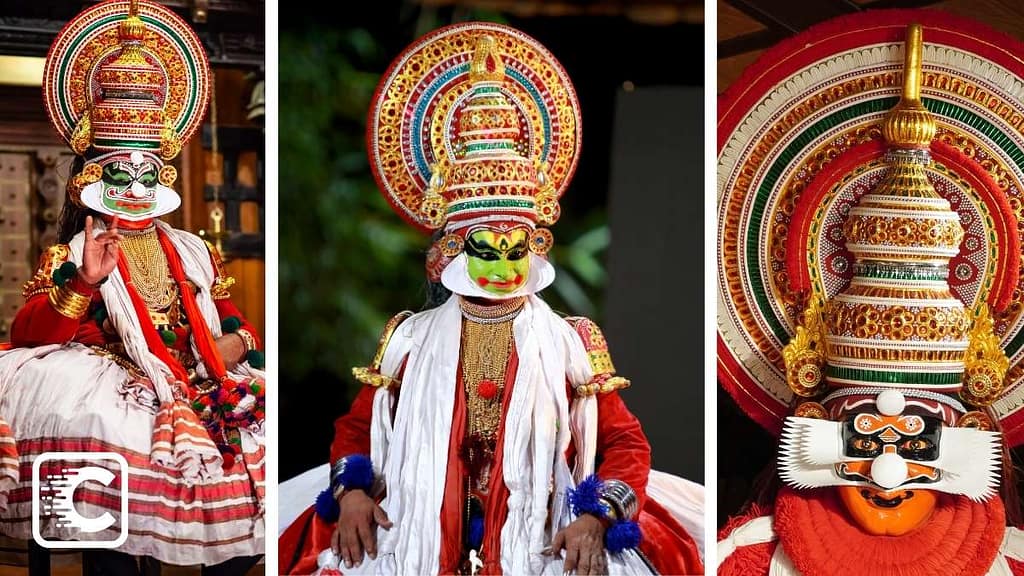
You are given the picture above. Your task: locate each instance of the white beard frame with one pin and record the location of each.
(970, 460)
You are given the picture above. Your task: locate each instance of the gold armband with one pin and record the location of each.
(68, 302)
(250, 341)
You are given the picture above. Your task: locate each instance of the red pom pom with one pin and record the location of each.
(487, 389)
(229, 460)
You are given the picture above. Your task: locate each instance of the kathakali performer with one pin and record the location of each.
(870, 308)
(128, 341)
(489, 436)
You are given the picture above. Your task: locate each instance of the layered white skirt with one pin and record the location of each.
(70, 399)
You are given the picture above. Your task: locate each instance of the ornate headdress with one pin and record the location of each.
(475, 125)
(870, 249)
(126, 83)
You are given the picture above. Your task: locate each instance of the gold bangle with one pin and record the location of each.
(68, 302)
(250, 341)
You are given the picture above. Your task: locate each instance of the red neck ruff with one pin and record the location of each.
(961, 538)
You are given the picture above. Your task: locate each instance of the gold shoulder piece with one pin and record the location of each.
(594, 343)
(604, 380)
(222, 283)
(370, 375)
(50, 260)
(805, 354)
(985, 363)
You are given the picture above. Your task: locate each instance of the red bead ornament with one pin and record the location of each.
(487, 389)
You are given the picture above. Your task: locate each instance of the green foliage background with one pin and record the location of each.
(347, 262)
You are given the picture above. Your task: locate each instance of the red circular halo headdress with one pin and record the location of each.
(799, 143)
(421, 133)
(126, 75)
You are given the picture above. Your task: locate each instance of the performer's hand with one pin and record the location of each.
(583, 541)
(232, 349)
(357, 527)
(99, 255)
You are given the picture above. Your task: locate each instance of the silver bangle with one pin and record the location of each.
(337, 470)
(621, 496)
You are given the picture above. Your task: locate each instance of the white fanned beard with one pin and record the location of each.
(969, 461)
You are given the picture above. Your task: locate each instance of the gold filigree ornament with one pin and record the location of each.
(451, 245)
(90, 173)
(433, 208)
(170, 142)
(541, 241)
(805, 354)
(81, 138)
(548, 209)
(811, 410)
(985, 363)
(976, 419)
(168, 175)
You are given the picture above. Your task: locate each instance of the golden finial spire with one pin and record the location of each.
(130, 33)
(487, 65)
(909, 124)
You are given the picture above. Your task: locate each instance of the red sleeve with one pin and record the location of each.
(226, 309)
(352, 431)
(622, 449)
(38, 323)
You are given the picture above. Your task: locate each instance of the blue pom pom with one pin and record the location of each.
(358, 473)
(622, 535)
(585, 499)
(476, 532)
(327, 507)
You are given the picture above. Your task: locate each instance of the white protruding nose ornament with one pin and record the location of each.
(889, 470)
(138, 190)
(890, 402)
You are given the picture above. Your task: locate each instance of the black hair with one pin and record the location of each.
(72, 216)
(437, 294)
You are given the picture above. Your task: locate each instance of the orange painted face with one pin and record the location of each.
(888, 512)
(898, 444)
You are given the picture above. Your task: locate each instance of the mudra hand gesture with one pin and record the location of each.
(100, 254)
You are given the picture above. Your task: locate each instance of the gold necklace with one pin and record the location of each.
(148, 267)
(487, 340)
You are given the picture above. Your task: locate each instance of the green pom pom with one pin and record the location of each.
(198, 406)
(256, 360)
(255, 387)
(100, 314)
(66, 271)
(169, 337)
(230, 325)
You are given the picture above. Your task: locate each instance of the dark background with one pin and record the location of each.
(348, 263)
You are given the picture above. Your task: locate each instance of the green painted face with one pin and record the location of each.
(130, 189)
(498, 262)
